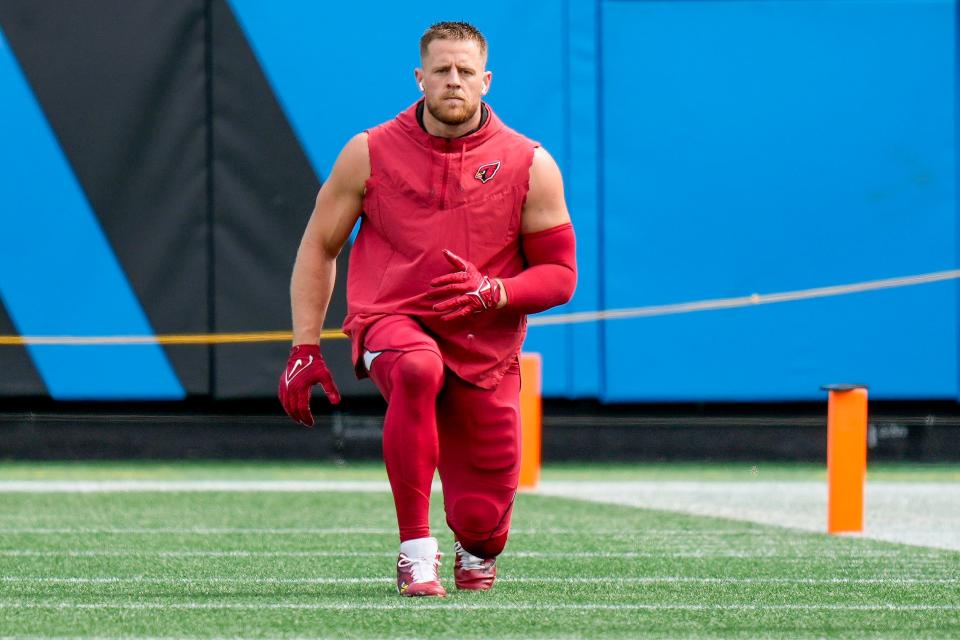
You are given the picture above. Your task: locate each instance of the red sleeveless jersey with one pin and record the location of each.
(426, 194)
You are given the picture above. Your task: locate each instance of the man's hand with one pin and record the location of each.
(463, 292)
(305, 368)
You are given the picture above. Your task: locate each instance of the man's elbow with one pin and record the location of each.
(566, 285)
(317, 248)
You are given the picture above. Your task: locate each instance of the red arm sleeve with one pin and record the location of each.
(551, 274)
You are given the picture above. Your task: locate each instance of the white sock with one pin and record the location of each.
(420, 548)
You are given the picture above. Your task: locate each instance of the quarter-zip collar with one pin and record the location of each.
(484, 114)
(489, 127)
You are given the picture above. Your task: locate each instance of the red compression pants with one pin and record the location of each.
(434, 421)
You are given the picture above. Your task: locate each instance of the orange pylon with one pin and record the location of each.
(531, 418)
(846, 457)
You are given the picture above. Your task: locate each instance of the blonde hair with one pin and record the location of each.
(452, 31)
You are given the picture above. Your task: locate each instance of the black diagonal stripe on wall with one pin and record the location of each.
(264, 190)
(18, 376)
(122, 85)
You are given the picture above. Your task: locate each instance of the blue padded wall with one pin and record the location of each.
(773, 146)
(710, 149)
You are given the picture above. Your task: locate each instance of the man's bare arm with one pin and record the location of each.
(337, 209)
(545, 206)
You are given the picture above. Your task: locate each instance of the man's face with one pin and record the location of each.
(453, 78)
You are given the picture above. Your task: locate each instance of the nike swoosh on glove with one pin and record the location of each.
(305, 368)
(463, 292)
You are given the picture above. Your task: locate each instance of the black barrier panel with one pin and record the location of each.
(122, 85)
(263, 192)
(18, 376)
(200, 184)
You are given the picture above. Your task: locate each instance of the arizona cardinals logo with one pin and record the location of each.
(486, 172)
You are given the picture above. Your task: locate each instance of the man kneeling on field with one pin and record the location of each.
(464, 232)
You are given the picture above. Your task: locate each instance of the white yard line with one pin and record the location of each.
(407, 604)
(916, 513)
(640, 580)
(198, 531)
(216, 531)
(129, 637)
(123, 486)
(787, 554)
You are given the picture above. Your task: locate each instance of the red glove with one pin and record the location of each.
(463, 292)
(305, 368)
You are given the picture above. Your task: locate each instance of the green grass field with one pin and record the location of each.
(321, 564)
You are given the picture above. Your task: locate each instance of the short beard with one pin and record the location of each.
(452, 118)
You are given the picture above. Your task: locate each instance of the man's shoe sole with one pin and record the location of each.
(407, 593)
